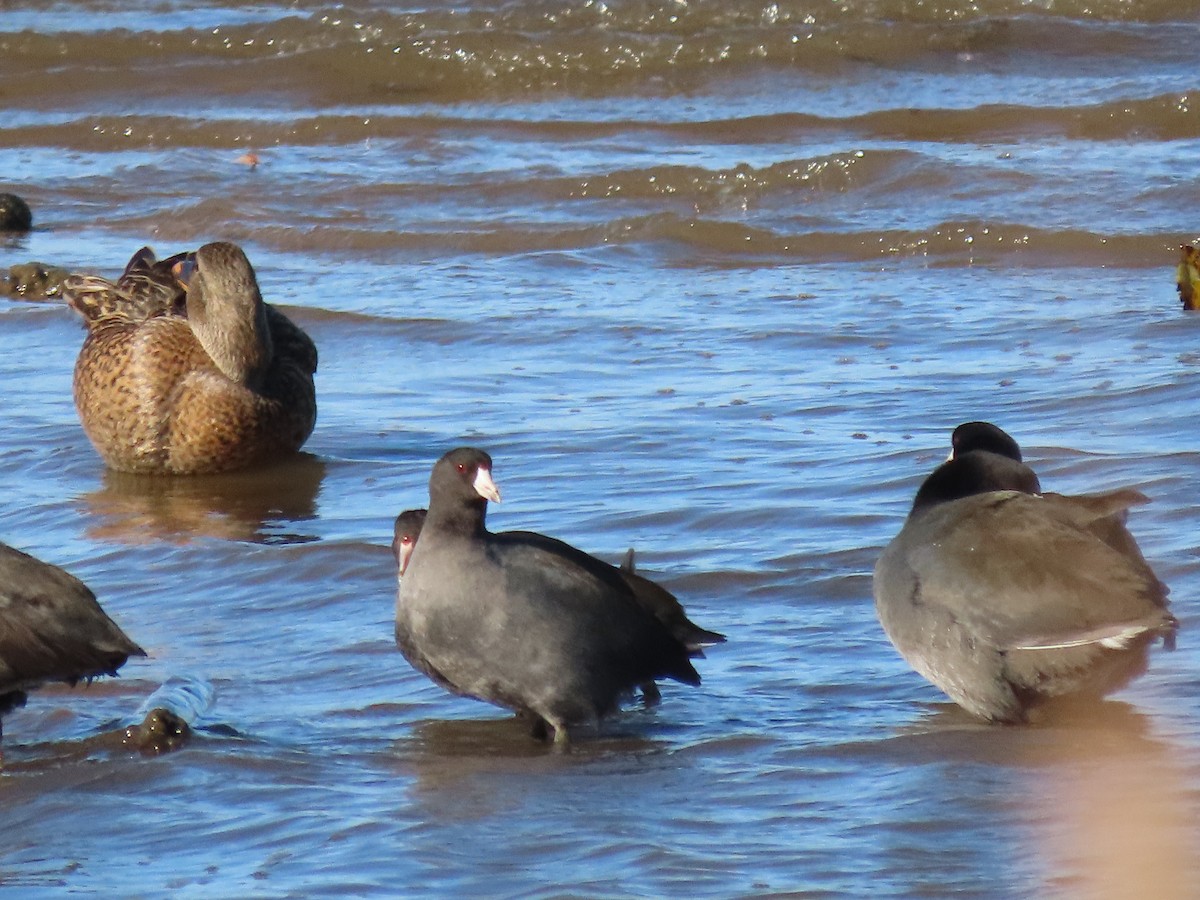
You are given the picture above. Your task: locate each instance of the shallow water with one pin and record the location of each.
(713, 280)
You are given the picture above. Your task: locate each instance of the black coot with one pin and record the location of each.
(51, 629)
(404, 536)
(1005, 597)
(652, 597)
(520, 619)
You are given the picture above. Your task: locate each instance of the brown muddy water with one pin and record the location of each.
(710, 279)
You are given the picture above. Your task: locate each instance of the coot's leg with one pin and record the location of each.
(562, 739)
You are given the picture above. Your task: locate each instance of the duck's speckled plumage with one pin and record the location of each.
(195, 379)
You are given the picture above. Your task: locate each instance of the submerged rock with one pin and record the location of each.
(33, 281)
(14, 213)
(169, 715)
(160, 732)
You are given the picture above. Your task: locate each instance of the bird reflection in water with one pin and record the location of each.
(262, 505)
(1104, 807)
(1114, 818)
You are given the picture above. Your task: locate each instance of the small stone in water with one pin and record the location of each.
(14, 213)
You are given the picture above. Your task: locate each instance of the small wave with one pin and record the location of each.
(591, 48)
(951, 243)
(740, 183)
(1165, 117)
(707, 240)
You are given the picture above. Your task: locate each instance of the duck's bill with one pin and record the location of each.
(184, 269)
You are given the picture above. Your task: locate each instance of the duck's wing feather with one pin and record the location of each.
(291, 342)
(147, 288)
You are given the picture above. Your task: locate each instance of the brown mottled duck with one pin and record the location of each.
(186, 370)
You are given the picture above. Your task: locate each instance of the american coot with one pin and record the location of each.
(184, 380)
(666, 607)
(51, 629)
(652, 597)
(405, 533)
(1005, 597)
(520, 619)
(986, 459)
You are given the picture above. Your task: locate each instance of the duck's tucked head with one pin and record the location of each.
(984, 459)
(227, 314)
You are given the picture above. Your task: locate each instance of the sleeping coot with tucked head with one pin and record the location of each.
(973, 437)
(520, 619)
(1005, 597)
(984, 459)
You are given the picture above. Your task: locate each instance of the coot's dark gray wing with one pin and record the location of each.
(52, 628)
(1021, 572)
(565, 585)
(667, 609)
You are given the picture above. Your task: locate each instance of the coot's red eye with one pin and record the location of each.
(462, 467)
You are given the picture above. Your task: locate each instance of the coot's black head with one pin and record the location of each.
(983, 436)
(463, 476)
(984, 459)
(407, 530)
